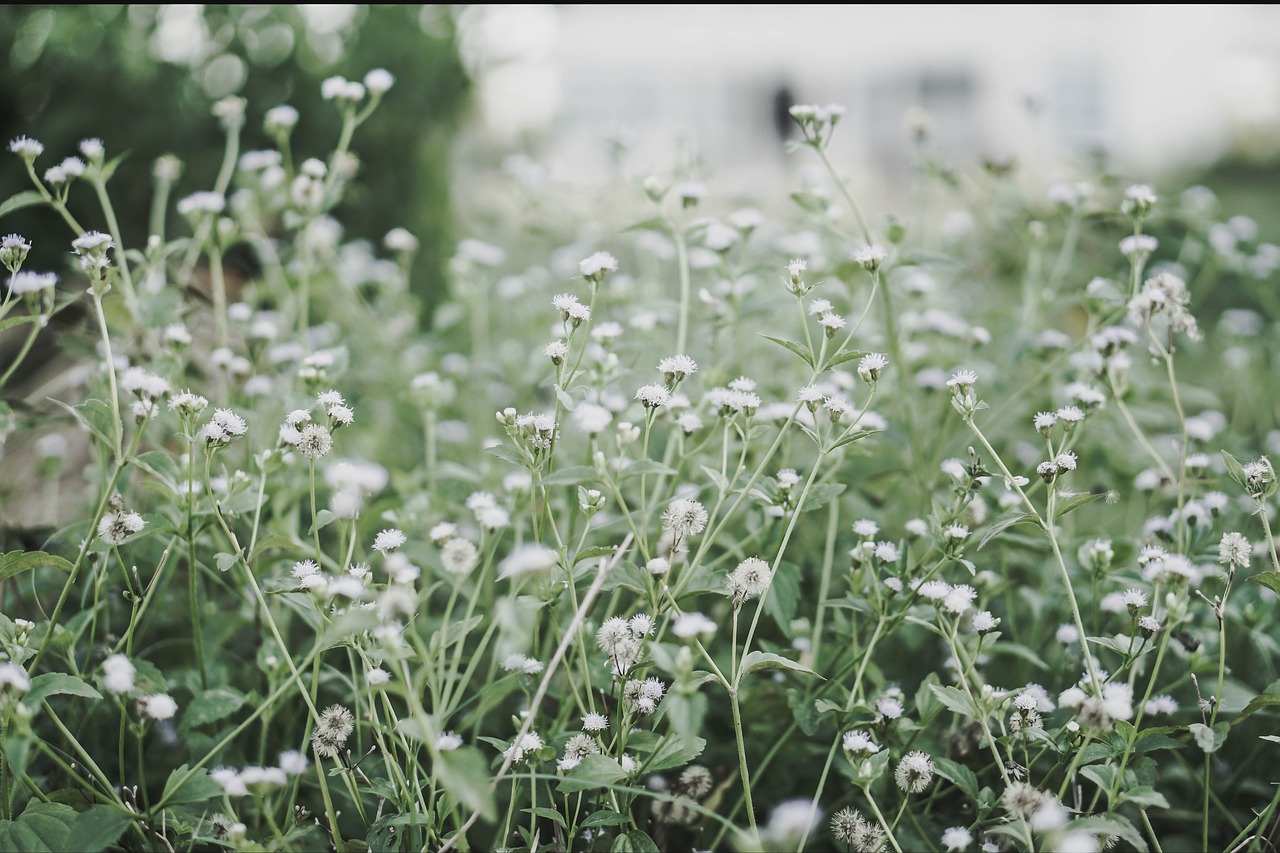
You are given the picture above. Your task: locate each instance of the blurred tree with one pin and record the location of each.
(142, 78)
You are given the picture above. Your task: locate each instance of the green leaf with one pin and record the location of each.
(465, 776)
(17, 562)
(675, 752)
(1000, 525)
(1258, 703)
(955, 700)
(20, 320)
(1102, 775)
(57, 684)
(821, 495)
(197, 789)
(656, 223)
(95, 415)
(1271, 580)
(841, 358)
(647, 466)
(685, 712)
(793, 347)
(634, 841)
(604, 818)
(1117, 826)
(594, 552)
(24, 199)
(210, 706)
(1234, 468)
(549, 814)
(574, 475)
(784, 596)
(96, 828)
(857, 435)
(323, 519)
(508, 453)
(1070, 503)
(159, 464)
(351, 622)
(1210, 739)
(1145, 797)
(959, 775)
(721, 484)
(765, 660)
(224, 560)
(594, 771)
(41, 828)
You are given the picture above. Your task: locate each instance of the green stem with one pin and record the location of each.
(742, 757)
(682, 264)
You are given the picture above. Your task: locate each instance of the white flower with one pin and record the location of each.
(688, 625)
(293, 762)
(223, 428)
(314, 441)
(522, 746)
(556, 351)
(527, 558)
(230, 782)
(959, 598)
(956, 838)
(595, 722)
(685, 518)
(118, 674)
(653, 396)
(677, 367)
(595, 266)
(1133, 599)
(159, 707)
(23, 282)
(1234, 550)
(458, 556)
(870, 257)
(12, 675)
(448, 742)
(116, 527)
(281, 118)
(962, 379)
(389, 540)
(859, 741)
(516, 662)
(379, 81)
(934, 590)
(26, 148)
(915, 772)
(870, 365)
(377, 677)
(750, 579)
(955, 532)
(886, 552)
(984, 622)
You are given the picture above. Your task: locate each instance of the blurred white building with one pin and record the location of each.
(1157, 87)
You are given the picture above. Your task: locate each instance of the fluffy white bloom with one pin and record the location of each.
(595, 266)
(688, 625)
(389, 540)
(522, 746)
(859, 741)
(750, 579)
(685, 518)
(956, 838)
(159, 707)
(118, 674)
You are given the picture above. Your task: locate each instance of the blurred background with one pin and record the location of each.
(489, 96)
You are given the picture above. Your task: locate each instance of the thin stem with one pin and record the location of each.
(742, 757)
(682, 264)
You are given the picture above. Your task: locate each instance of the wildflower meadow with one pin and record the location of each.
(680, 522)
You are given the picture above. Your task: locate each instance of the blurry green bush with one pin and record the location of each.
(145, 76)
